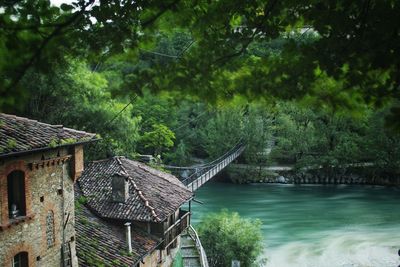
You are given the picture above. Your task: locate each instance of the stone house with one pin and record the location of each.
(39, 164)
(129, 214)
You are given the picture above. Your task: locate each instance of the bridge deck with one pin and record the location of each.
(193, 183)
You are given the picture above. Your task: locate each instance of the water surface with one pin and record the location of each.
(312, 225)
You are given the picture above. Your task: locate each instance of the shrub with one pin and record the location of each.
(226, 236)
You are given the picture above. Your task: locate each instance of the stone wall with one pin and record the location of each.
(49, 188)
(166, 258)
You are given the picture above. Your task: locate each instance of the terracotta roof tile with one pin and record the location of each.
(101, 242)
(19, 135)
(153, 195)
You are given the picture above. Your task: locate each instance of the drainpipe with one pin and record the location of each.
(128, 236)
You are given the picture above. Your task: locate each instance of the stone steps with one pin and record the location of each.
(190, 255)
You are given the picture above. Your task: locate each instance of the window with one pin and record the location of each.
(20, 260)
(50, 229)
(16, 194)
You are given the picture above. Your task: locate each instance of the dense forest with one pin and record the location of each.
(178, 129)
(183, 80)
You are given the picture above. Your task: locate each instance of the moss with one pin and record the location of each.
(82, 200)
(125, 253)
(11, 143)
(78, 206)
(84, 221)
(79, 202)
(53, 142)
(116, 262)
(68, 141)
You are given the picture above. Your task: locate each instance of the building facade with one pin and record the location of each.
(39, 164)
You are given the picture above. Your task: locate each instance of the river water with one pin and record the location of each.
(313, 225)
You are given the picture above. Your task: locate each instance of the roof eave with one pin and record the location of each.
(19, 153)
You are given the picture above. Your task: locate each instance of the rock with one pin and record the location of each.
(281, 179)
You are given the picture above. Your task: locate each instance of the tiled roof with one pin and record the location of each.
(153, 195)
(19, 135)
(102, 243)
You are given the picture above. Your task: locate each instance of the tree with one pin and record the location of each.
(223, 131)
(308, 137)
(257, 134)
(79, 98)
(159, 139)
(226, 237)
(348, 44)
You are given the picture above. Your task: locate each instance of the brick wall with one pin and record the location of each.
(49, 186)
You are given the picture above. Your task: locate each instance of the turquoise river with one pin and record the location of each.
(314, 225)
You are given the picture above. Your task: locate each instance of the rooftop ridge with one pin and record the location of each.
(139, 192)
(31, 120)
(72, 130)
(106, 159)
(45, 124)
(158, 173)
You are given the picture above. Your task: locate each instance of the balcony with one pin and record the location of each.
(172, 233)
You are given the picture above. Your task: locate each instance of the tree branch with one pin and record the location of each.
(159, 14)
(46, 41)
(31, 27)
(267, 11)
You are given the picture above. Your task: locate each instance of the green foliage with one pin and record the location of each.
(284, 49)
(257, 134)
(222, 131)
(307, 138)
(226, 236)
(159, 139)
(79, 98)
(80, 64)
(181, 155)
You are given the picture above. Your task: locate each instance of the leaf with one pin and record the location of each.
(66, 7)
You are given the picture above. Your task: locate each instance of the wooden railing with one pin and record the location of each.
(173, 232)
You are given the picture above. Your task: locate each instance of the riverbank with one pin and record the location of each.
(359, 175)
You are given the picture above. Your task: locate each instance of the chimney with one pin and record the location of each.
(128, 236)
(120, 188)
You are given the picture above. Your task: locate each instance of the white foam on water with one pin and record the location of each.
(339, 249)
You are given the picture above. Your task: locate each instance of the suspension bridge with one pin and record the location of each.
(195, 176)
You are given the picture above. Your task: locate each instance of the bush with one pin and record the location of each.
(226, 236)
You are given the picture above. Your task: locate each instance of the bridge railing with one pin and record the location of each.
(210, 169)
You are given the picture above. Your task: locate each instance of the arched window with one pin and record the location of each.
(50, 229)
(20, 260)
(16, 194)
